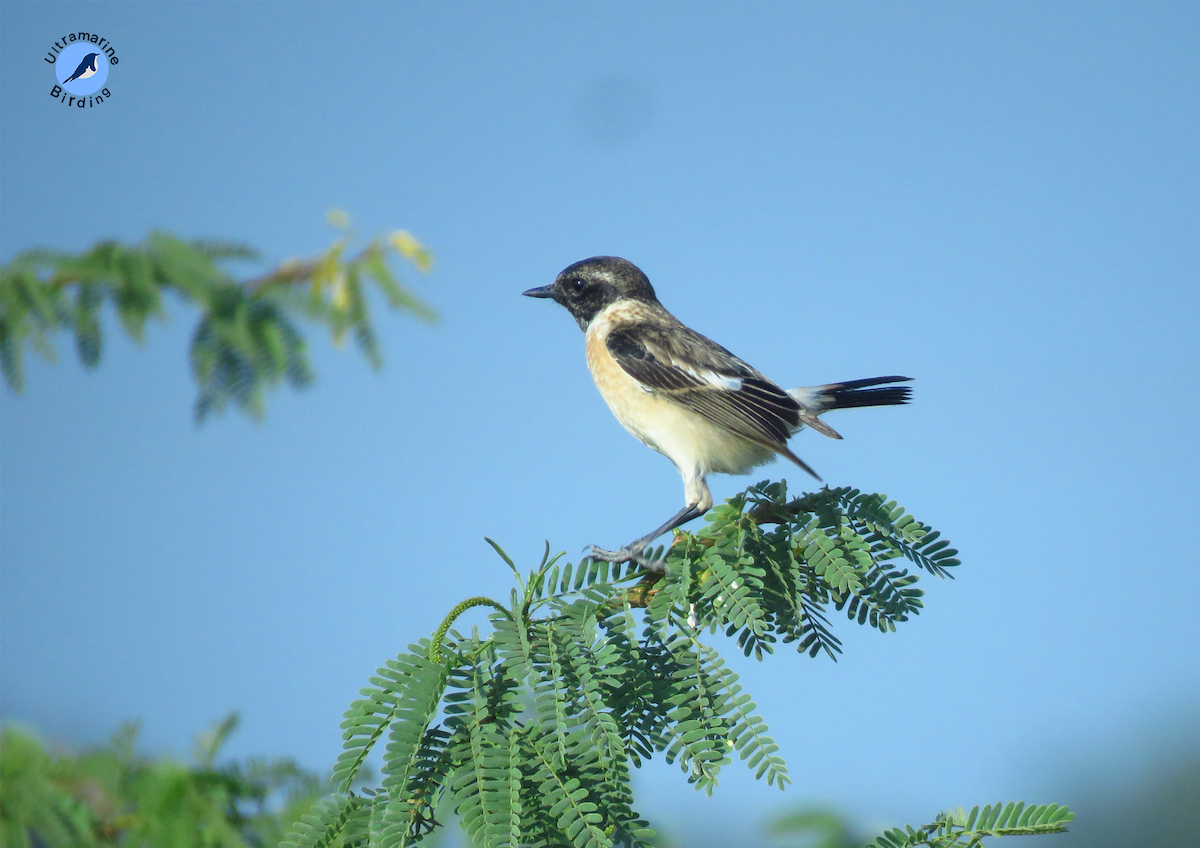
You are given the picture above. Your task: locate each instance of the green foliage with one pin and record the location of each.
(248, 336)
(968, 830)
(816, 827)
(823, 828)
(528, 732)
(111, 797)
(834, 549)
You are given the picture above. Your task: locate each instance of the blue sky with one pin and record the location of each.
(1000, 200)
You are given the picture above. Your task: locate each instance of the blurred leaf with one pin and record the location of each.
(815, 828)
(407, 246)
(338, 218)
(209, 742)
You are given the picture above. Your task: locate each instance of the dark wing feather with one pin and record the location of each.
(675, 361)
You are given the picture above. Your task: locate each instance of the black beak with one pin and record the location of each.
(544, 291)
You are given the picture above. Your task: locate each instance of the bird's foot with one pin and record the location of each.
(629, 553)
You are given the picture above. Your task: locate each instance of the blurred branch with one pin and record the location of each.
(247, 338)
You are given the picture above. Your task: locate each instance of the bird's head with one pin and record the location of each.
(588, 286)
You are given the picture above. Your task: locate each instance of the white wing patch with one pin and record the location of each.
(720, 381)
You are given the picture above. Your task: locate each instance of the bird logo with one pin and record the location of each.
(684, 395)
(87, 68)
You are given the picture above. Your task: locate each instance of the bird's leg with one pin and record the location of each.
(633, 551)
(698, 499)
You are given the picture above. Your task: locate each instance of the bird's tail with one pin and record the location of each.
(817, 400)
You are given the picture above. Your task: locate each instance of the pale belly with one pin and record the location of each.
(695, 444)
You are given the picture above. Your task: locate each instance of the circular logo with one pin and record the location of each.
(81, 69)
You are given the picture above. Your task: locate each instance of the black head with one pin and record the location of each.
(587, 287)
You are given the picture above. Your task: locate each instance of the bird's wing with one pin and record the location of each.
(696, 372)
(82, 67)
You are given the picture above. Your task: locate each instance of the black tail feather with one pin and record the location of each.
(854, 393)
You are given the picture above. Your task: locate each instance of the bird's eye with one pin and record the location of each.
(577, 285)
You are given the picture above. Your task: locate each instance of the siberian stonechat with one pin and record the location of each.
(683, 394)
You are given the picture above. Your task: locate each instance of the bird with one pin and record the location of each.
(684, 395)
(86, 69)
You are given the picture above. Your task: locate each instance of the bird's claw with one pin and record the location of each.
(626, 554)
